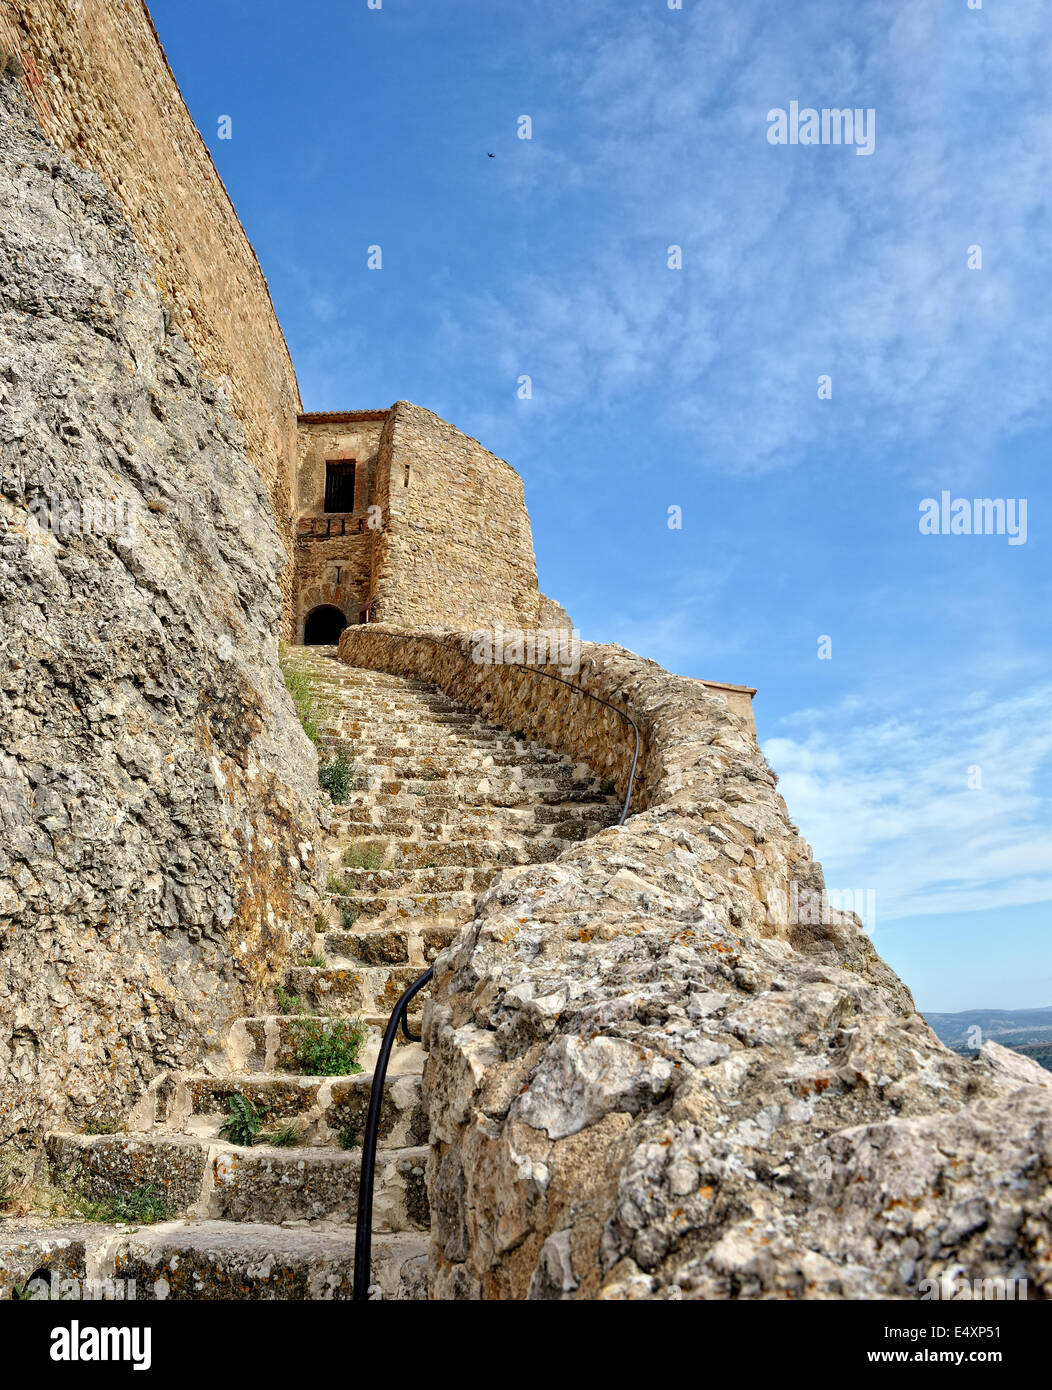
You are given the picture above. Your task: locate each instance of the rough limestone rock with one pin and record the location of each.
(157, 798)
(643, 1084)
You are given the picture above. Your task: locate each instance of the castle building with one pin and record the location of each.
(401, 518)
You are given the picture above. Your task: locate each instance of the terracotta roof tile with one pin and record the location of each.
(319, 416)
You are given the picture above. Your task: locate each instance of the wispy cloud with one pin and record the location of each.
(799, 260)
(885, 799)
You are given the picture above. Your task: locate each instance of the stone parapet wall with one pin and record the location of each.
(102, 90)
(695, 749)
(510, 696)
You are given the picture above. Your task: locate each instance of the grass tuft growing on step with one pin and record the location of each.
(26, 1189)
(143, 1206)
(335, 763)
(243, 1123)
(105, 1125)
(303, 688)
(287, 1136)
(363, 857)
(290, 1003)
(349, 1137)
(336, 770)
(329, 1047)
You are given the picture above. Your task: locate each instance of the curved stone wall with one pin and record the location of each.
(696, 751)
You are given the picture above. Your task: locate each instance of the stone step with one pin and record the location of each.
(381, 808)
(208, 1260)
(440, 731)
(494, 827)
(197, 1103)
(447, 878)
(466, 749)
(403, 1117)
(379, 699)
(379, 707)
(228, 1260)
(474, 791)
(271, 1042)
(461, 773)
(365, 946)
(212, 1179)
(420, 721)
(460, 824)
(472, 852)
(464, 752)
(475, 853)
(401, 907)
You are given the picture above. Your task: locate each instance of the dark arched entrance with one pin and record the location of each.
(323, 627)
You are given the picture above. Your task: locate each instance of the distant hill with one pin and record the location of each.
(1028, 1031)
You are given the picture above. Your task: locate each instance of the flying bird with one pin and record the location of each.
(491, 156)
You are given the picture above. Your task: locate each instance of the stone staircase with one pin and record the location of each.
(440, 803)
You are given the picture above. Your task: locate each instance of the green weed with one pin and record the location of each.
(140, 1207)
(303, 689)
(336, 771)
(243, 1123)
(290, 1003)
(329, 1047)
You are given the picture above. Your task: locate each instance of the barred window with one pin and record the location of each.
(339, 487)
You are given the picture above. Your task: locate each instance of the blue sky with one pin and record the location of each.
(698, 387)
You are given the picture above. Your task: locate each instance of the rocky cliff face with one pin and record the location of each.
(157, 798)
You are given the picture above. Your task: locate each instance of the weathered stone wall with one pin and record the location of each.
(331, 438)
(645, 1081)
(333, 572)
(98, 79)
(334, 554)
(456, 549)
(157, 796)
(552, 615)
(738, 698)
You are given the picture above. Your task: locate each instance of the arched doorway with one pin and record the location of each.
(323, 626)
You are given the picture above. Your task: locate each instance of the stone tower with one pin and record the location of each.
(403, 519)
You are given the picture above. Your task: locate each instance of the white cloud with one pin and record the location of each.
(798, 260)
(886, 803)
